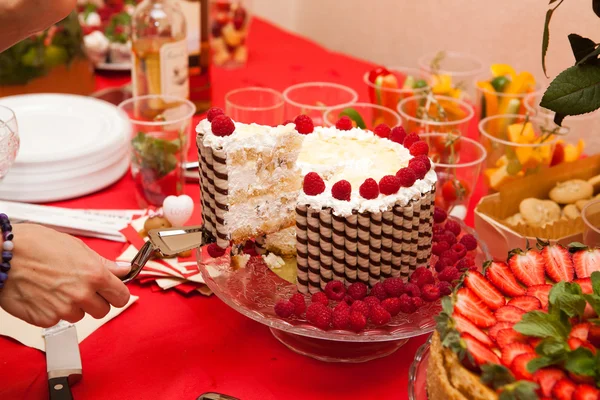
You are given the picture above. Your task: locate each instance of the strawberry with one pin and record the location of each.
(586, 262)
(506, 337)
(547, 378)
(499, 274)
(493, 331)
(449, 192)
(525, 303)
(594, 335)
(527, 266)
(472, 308)
(481, 354)
(511, 351)
(585, 284)
(558, 262)
(563, 389)
(580, 331)
(484, 290)
(519, 366)
(586, 392)
(575, 343)
(510, 314)
(540, 292)
(463, 325)
(581, 378)
(533, 341)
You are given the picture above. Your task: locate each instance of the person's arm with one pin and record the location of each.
(21, 18)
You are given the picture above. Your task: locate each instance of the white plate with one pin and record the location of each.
(113, 66)
(65, 130)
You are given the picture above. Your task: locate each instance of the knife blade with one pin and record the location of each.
(63, 361)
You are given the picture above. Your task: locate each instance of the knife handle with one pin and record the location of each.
(59, 388)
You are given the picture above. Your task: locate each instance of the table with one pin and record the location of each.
(168, 346)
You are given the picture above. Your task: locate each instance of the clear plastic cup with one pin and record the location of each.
(591, 220)
(462, 68)
(255, 105)
(364, 115)
(314, 98)
(9, 139)
(490, 102)
(429, 113)
(388, 93)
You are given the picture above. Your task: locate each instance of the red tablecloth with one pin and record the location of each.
(167, 346)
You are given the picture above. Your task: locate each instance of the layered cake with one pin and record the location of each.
(362, 204)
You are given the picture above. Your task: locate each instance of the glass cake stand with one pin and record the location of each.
(254, 290)
(417, 375)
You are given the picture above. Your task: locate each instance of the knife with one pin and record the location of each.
(62, 359)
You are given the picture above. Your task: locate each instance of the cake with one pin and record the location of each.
(525, 329)
(258, 180)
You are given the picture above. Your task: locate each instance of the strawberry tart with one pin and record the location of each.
(525, 329)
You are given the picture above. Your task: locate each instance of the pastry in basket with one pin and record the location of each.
(525, 329)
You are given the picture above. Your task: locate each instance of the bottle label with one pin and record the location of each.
(174, 79)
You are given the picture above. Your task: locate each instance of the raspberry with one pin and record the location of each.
(299, 303)
(392, 305)
(422, 158)
(357, 290)
(407, 177)
(410, 139)
(398, 134)
(335, 290)
(439, 247)
(304, 124)
(341, 190)
(222, 125)
(445, 288)
(469, 241)
(214, 250)
(430, 293)
(417, 302)
(422, 279)
(418, 272)
(464, 264)
(380, 316)
(439, 215)
(451, 255)
(449, 238)
(412, 290)
(361, 307)
(378, 290)
(284, 308)
(313, 184)
(440, 264)
(394, 287)
(418, 168)
(449, 274)
(419, 148)
(371, 301)
(213, 112)
(341, 318)
(344, 124)
(389, 184)
(287, 121)
(357, 321)
(382, 130)
(453, 227)
(348, 300)
(460, 250)
(406, 304)
(319, 315)
(320, 297)
(369, 189)
(438, 229)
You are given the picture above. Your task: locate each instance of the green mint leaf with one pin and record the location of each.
(447, 305)
(567, 297)
(519, 390)
(552, 347)
(594, 301)
(582, 47)
(581, 361)
(546, 35)
(595, 277)
(574, 91)
(540, 362)
(541, 324)
(496, 376)
(576, 246)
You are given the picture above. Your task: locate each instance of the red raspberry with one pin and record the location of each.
(407, 177)
(419, 169)
(417, 302)
(445, 288)
(335, 290)
(449, 274)
(453, 226)
(361, 307)
(357, 321)
(222, 125)
(369, 189)
(284, 308)
(214, 250)
(460, 250)
(382, 130)
(371, 301)
(438, 229)
(422, 279)
(422, 158)
(299, 303)
(412, 290)
(406, 304)
(304, 124)
(419, 148)
(398, 134)
(440, 265)
(319, 315)
(313, 184)
(378, 290)
(313, 309)
(213, 112)
(451, 255)
(357, 290)
(320, 297)
(430, 292)
(439, 247)
(392, 305)
(464, 264)
(341, 190)
(344, 124)
(469, 241)
(410, 139)
(341, 318)
(287, 121)
(394, 287)
(439, 215)
(380, 316)
(389, 184)
(449, 238)
(348, 300)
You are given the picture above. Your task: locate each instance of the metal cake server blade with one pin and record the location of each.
(63, 359)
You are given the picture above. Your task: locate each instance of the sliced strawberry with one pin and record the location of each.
(581, 378)
(575, 343)
(493, 331)
(528, 267)
(499, 274)
(479, 351)
(594, 335)
(586, 392)
(513, 350)
(586, 262)
(506, 337)
(519, 366)
(472, 308)
(558, 263)
(547, 378)
(533, 341)
(525, 303)
(564, 389)
(510, 314)
(463, 325)
(540, 292)
(585, 284)
(484, 290)
(580, 331)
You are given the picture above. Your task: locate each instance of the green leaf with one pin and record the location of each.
(519, 390)
(541, 324)
(552, 347)
(540, 362)
(596, 7)
(574, 91)
(576, 246)
(581, 361)
(496, 376)
(354, 116)
(594, 301)
(546, 35)
(568, 298)
(595, 277)
(582, 47)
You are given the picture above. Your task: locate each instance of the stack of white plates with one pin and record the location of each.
(70, 146)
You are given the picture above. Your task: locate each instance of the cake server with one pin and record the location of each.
(63, 361)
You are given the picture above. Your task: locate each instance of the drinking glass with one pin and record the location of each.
(229, 21)
(161, 130)
(9, 139)
(314, 98)
(255, 104)
(591, 220)
(364, 115)
(434, 113)
(490, 102)
(452, 70)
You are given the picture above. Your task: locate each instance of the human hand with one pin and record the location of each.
(55, 276)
